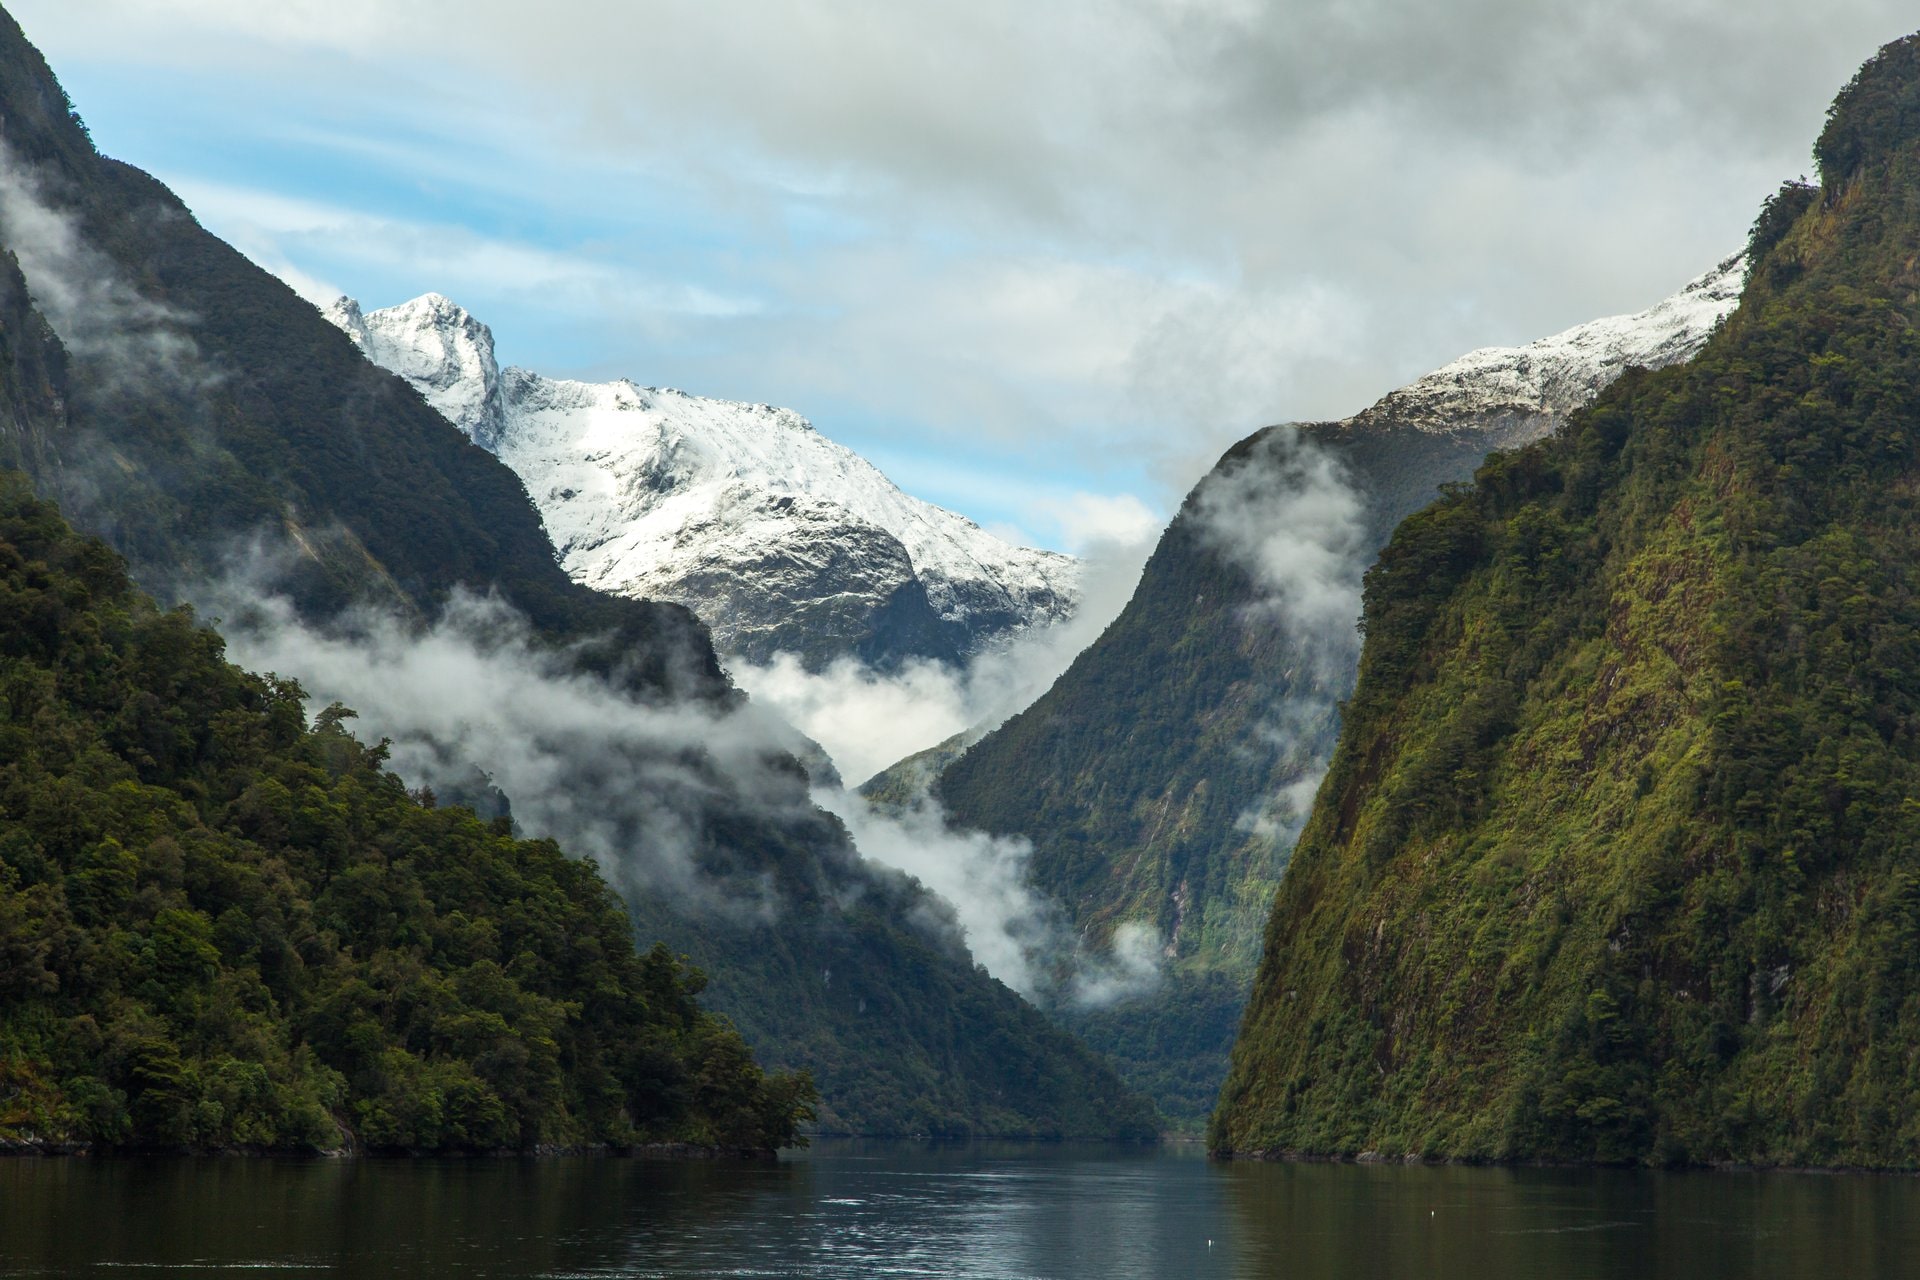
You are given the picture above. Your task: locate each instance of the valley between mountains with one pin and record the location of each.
(402, 752)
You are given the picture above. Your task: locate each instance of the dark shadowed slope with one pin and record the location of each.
(220, 929)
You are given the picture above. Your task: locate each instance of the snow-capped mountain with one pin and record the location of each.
(780, 539)
(1521, 393)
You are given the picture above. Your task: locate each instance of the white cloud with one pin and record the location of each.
(1111, 229)
(1289, 514)
(272, 228)
(1015, 932)
(1092, 519)
(1132, 967)
(124, 337)
(633, 784)
(868, 720)
(629, 784)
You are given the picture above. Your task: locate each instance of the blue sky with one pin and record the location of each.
(1040, 263)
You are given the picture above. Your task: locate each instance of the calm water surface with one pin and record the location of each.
(867, 1209)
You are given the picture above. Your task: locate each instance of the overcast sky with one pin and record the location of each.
(1039, 259)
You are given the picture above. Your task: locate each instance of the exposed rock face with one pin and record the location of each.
(780, 539)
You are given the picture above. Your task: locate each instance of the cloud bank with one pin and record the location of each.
(625, 783)
(1093, 239)
(868, 720)
(473, 699)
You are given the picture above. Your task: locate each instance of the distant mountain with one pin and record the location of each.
(1511, 395)
(1617, 858)
(190, 409)
(778, 538)
(1164, 776)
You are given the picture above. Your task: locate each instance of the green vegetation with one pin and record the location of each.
(1617, 857)
(220, 928)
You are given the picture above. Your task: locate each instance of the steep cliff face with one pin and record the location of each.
(1615, 860)
(192, 407)
(1164, 777)
(778, 538)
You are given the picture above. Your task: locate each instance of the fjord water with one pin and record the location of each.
(979, 1210)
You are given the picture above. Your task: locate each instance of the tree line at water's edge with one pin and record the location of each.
(221, 928)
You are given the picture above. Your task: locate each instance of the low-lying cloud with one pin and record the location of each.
(633, 785)
(629, 784)
(1293, 518)
(1019, 934)
(868, 720)
(1290, 515)
(127, 339)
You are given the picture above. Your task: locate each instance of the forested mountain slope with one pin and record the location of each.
(1163, 777)
(204, 416)
(1616, 859)
(222, 929)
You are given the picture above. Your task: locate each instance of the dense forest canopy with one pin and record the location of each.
(220, 927)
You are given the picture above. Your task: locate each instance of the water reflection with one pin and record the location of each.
(1337, 1221)
(850, 1209)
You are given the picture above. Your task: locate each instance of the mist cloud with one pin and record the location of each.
(632, 784)
(1291, 516)
(868, 720)
(1010, 929)
(625, 783)
(1133, 967)
(127, 339)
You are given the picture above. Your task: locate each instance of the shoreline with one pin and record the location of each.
(27, 1149)
(1474, 1162)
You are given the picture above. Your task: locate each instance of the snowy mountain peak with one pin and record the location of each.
(779, 538)
(437, 345)
(1527, 390)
